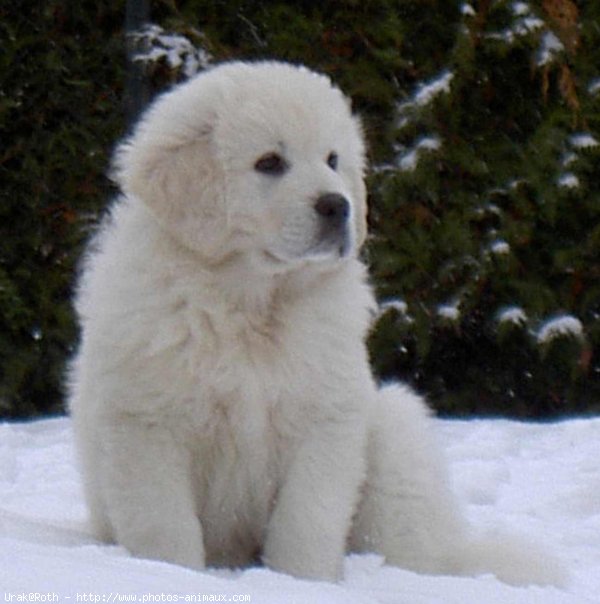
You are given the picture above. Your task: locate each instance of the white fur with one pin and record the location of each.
(222, 399)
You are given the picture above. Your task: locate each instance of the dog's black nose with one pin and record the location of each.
(334, 208)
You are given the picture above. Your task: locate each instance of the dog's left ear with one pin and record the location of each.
(170, 165)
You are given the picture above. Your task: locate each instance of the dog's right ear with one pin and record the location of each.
(169, 164)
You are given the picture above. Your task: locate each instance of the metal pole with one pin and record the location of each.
(137, 93)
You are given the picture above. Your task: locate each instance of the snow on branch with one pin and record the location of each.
(550, 48)
(583, 140)
(524, 24)
(568, 180)
(430, 90)
(449, 311)
(176, 49)
(424, 94)
(396, 304)
(467, 10)
(409, 160)
(564, 325)
(512, 314)
(594, 86)
(499, 247)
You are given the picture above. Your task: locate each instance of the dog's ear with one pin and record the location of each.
(176, 174)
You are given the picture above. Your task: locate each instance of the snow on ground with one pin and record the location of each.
(541, 480)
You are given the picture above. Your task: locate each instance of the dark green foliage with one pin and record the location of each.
(60, 110)
(503, 212)
(474, 206)
(373, 50)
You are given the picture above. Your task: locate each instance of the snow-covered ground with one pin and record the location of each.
(542, 480)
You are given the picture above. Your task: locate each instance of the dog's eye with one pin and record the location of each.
(272, 164)
(332, 160)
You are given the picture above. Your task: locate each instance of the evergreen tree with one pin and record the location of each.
(373, 50)
(483, 125)
(482, 193)
(487, 223)
(60, 112)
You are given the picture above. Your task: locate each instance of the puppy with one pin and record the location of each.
(222, 400)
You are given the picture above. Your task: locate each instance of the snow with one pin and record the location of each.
(424, 94)
(523, 27)
(525, 23)
(488, 209)
(449, 311)
(409, 161)
(568, 180)
(550, 47)
(583, 140)
(432, 143)
(594, 86)
(540, 480)
(564, 325)
(568, 159)
(500, 247)
(521, 8)
(427, 92)
(512, 314)
(176, 49)
(400, 306)
(579, 141)
(467, 10)
(396, 303)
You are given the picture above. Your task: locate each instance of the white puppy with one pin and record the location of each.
(222, 399)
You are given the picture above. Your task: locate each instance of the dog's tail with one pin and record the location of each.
(410, 514)
(514, 560)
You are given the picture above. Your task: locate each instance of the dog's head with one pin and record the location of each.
(264, 159)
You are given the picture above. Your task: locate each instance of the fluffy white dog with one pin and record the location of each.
(222, 399)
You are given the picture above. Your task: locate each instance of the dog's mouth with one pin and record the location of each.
(331, 246)
(327, 250)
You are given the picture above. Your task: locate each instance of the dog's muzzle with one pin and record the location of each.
(334, 216)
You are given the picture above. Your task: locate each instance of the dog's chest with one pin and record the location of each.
(258, 419)
(247, 381)
(255, 380)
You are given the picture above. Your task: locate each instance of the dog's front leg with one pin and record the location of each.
(308, 529)
(147, 492)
